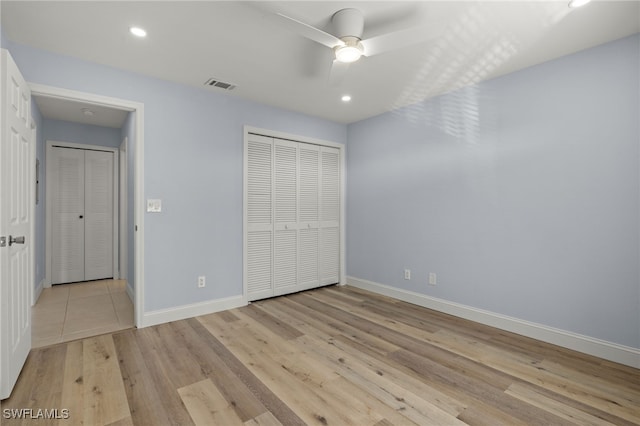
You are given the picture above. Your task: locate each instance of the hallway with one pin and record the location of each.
(73, 311)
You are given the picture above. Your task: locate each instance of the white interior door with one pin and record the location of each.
(285, 245)
(258, 261)
(82, 214)
(309, 157)
(98, 212)
(17, 185)
(68, 199)
(329, 258)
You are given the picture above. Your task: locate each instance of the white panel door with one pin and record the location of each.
(308, 218)
(285, 246)
(82, 214)
(67, 230)
(329, 257)
(98, 215)
(17, 185)
(259, 217)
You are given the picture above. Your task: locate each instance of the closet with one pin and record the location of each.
(292, 216)
(82, 209)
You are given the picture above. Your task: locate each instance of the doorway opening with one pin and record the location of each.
(125, 278)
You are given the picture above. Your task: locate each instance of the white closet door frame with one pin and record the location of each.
(49, 213)
(297, 138)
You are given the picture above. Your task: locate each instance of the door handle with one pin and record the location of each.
(15, 240)
(80, 217)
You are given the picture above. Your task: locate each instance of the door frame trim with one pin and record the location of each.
(49, 145)
(138, 175)
(124, 208)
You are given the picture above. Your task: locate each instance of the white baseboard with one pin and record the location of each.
(37, 291)
(611, 351)
(189, 311)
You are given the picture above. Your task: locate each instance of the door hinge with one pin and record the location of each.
(3, 241)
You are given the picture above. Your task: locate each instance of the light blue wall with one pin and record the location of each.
(521, 193)
(65, 131)
(192, 161)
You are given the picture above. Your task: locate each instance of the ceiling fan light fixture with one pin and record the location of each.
(350, 51)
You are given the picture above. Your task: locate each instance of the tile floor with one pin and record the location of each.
(74, 311)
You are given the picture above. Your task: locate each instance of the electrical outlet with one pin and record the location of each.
(433, 278)
(407, 274)
(201, 281)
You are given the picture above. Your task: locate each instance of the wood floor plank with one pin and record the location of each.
(379, 370)
(333, 326)
(154, 355)
(280, 328)
(264, 419)
(142, 395)
(473, 392)
(287, 374)
(207, 406)
(243, 401)
(73, 384)
(532, 397)
(38, 387)
(481, 414)
(387, 393)
(280, 410)
(331, 356)
(104, 396)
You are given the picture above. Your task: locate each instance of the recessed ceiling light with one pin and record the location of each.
(138, 32)
(346, 98)
(577, 3)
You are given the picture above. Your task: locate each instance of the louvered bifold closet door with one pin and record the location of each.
(308, 218)
(67, 231)
(329, 258)
(259, 204)
(98, 215)
(285, 245)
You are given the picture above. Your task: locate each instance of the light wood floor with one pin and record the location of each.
(72, 311)
(332, 356)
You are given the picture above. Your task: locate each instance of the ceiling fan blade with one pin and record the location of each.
(308, 31)
(338, 72)
(399, 39)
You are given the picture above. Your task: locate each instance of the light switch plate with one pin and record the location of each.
(154, 205)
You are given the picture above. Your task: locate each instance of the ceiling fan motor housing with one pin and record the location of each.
(348, 23)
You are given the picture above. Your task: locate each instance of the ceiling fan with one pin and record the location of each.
(347, 43)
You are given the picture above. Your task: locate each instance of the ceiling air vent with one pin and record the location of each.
(219, 84)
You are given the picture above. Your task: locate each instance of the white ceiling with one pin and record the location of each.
(189, 42)
(62, 109)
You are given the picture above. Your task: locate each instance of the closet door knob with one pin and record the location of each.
(80, 217)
